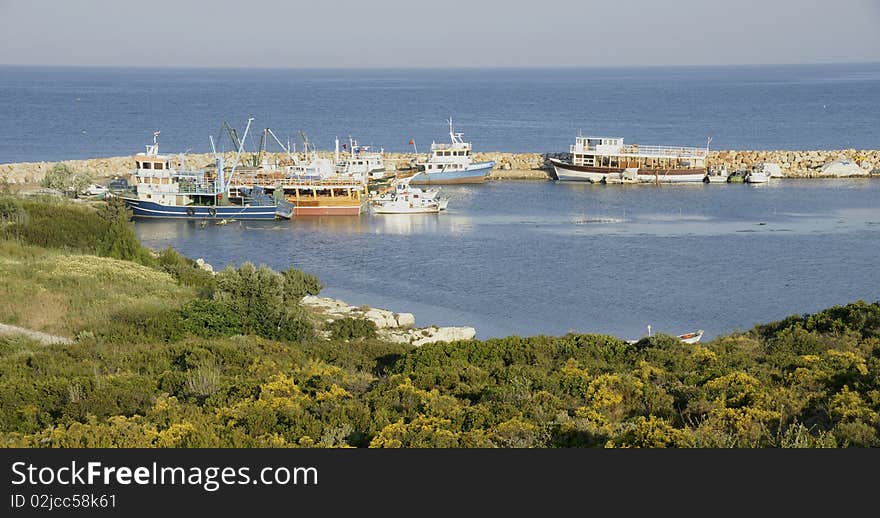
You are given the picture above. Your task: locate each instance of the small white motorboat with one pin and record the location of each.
(691, 338)
(719, 175)
(758, 174)
(405, 199)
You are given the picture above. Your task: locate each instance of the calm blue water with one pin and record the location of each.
(549, 257)
(66, 113)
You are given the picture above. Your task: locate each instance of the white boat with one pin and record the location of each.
(608, 159)
(687, 338)
(405, 199)
(452, 163)
(691, 338)
(360, 160)
(719, 175)
(757, 175)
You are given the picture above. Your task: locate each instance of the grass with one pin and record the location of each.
(66, 293)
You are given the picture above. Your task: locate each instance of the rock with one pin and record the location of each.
(382, 318)
(204, 266)
(448, 334)
(406, 320)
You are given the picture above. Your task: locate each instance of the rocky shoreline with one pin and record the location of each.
(391, 326)
(509, 166)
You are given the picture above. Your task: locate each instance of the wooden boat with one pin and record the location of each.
(608, 159)
(314, 186)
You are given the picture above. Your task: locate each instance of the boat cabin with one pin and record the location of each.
(452, 156)
(612, 152)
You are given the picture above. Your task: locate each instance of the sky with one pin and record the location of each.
(438, 34)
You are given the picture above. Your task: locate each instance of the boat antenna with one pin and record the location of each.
(154, 149)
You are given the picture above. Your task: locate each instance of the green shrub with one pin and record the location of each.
(63, 178)
(350, 328)
(61, 225)
(298, 284)
(11, 210)
(187, 271)
(119, 240)
(209, 318)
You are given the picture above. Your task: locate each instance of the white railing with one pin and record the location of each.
(453, 146)
(645, 151)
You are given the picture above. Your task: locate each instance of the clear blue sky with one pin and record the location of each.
(447, 33)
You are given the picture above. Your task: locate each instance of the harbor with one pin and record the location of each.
(552, 257)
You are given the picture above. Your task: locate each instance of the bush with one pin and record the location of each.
(350, 328)
(11, 210)
(119, 240)
(57, 225)
(209, 318)
(298, 284)
(63, 178)
(187, 272)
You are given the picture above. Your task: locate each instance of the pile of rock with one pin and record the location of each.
(803, 164)
(798, 164)
(394, 327)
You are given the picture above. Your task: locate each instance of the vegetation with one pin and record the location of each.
(168, 355)
(351, 328)
(64, 179)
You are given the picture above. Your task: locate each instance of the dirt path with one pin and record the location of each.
(34, 335)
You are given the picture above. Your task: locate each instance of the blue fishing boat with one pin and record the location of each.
(452, 163)
(164, 189)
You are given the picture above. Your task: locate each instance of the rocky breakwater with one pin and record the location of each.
(508, 166)
(798, 164)
(394, 327)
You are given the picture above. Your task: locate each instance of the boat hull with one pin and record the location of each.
(579, 173)
(149, 209)
(475, 173)
(409, 210)
(328, 210)
(575, 173)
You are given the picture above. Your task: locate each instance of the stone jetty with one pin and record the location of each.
(509, 166)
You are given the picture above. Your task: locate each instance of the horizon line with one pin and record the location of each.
(469, 67)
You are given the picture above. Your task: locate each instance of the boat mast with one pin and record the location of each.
(225, 182)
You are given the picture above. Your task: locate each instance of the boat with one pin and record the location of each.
(687, 338)
(719, 175)
(405, 199)
(452, 163)
(313, 185)
(757, 174)
(691, 338)
(738, 176)
(609, 160)
(361, 160)
(165, 189)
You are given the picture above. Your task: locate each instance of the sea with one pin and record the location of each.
(514, 257)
